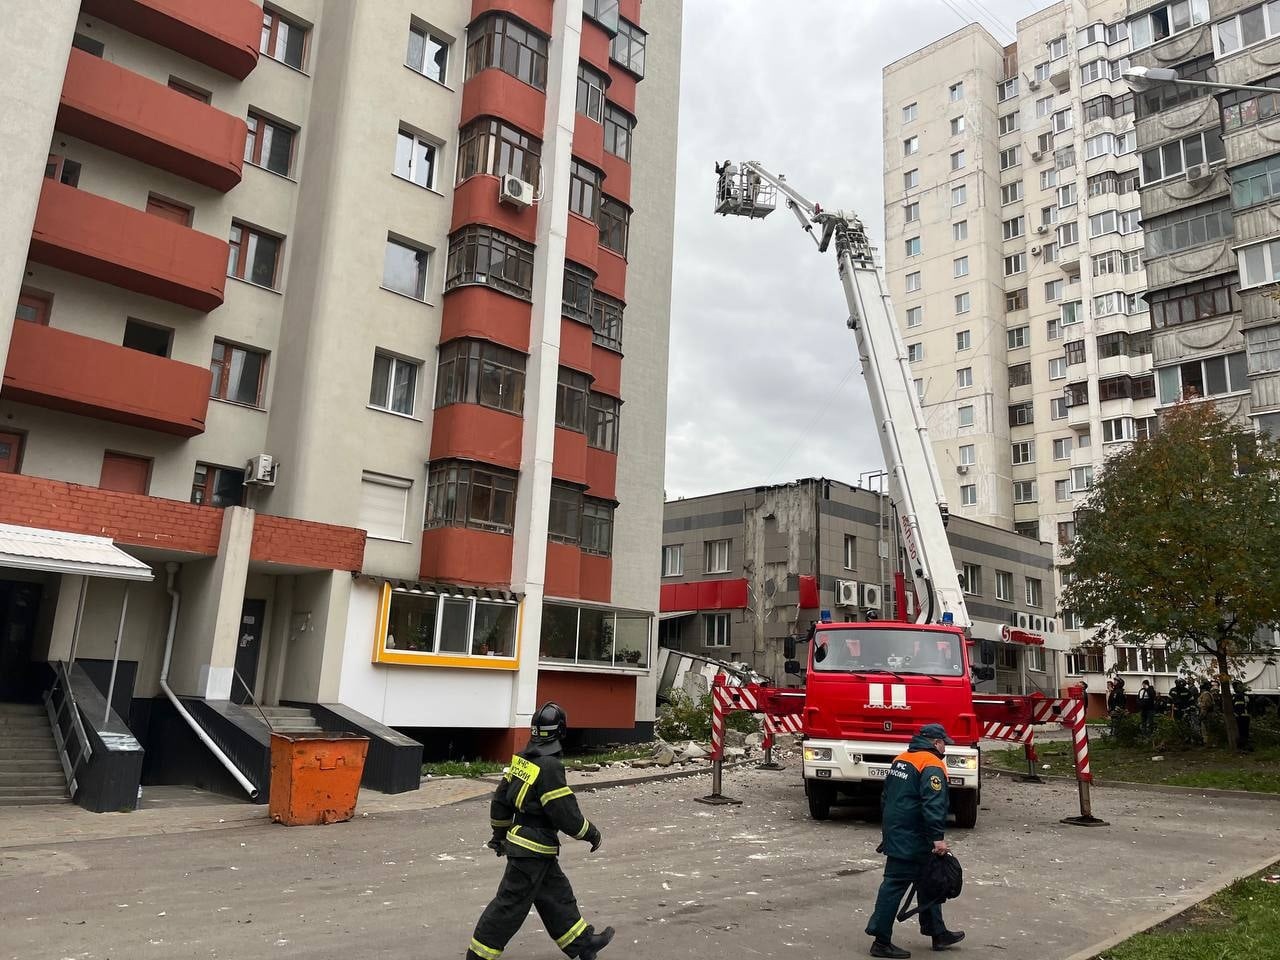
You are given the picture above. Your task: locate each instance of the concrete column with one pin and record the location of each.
(278, 649)
(34, 46)
(528, 574)
(64, 620)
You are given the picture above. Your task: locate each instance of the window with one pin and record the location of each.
(1044, 106)
(239, 374)
(1024, 451)
(461, 494)
(1084, 659)
(1053, 328)
(1112, 344)
(1081, 479)
(1006, 89)
(957, 160)
(1068, 234)
(1064, 159)
(911, 179)
(602, 422)
(971, 579)
(1259, 263)
(189, 90)
(1015, 300)
(572, 388)
(968, 495)
(912, 245)
(1062, 448)
(913, 281)
(958, 195)
(1007, 124)
(1010, 157)
(716, 553)
(957, 126)
(1115, 388)
(283, 39)
(1165, 96)
(1004, 585)
(965, 415)
(1067, 196)
(919, 384)
(1015, 264)
(1048, 179)
(217, 486)
(963, 340)
(1057, 368)
(1245, 108)
(564, 522)
(479, 254)
(584, 190)
(591, 87)
(1257, 182)
(1245, 29)
(1011, 193)
(615, 221)
(960, 230)
(1093, 70)
(1014, 227)
(964, 377)
(911, 212)
(1034, 593)
(1024, 491)
(147, 338)
(1057, 48)
(1062, 121)
(1044, 143)
(1042, 71)
(595, 636)
(394, 384)
(597, 527)
(1062, 490)
(427, 54)
(491, 146)
(1117, 31)
(415, 159)
(618, 125)
(606, 320)
(910, 112)
(603, 12)
(910, 146)
(962, 302)
(1021, 414)
(1049, 215)
(915, 316)
(478, 371)
(269, 144)
(1210, 377)
(915, 352)
(1077, 395)
(1144, 428)
(1052, 291)
(968, 457)
(501, 43)
(575, 300)
(955, 92)
(384, 503)
(673, 561)
(254, 255)
(716, 629)
(426, 622)
(1071, 313)
(1035, 659)
(34, 306)
(1190, 227)
(1027, 528)
(1117, 429)
(850, 552)
(1018, 337)
(1074, 352)
(404, 269)
(628, 46)
(1173, 158)
(125, 473)
(960, 267)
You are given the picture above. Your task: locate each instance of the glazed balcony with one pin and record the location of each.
(224, 35)
(122, 111)
(98, 238)
(60, 370)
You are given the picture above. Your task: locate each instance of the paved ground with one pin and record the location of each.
(680, 880)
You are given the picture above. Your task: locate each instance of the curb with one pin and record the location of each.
(1200, 895)
(593, 786)
(1154, 787)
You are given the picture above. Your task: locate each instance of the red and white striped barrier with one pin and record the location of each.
(1013, 732)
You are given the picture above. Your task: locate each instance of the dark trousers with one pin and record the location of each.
(530, 882)
(898, 876)
(1242, 733)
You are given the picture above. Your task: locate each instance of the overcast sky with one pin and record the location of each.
(765, 385)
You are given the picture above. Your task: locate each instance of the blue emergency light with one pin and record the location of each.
(948, 619)
(825, 616)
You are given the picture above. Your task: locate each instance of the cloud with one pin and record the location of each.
(764, 381)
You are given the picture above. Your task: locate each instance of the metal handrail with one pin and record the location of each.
(66, 702)
(252, 699)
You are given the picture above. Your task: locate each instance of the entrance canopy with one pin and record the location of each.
(53, 551)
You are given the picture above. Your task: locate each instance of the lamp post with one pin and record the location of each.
(1142, 79)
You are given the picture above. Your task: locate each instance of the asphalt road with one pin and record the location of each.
(678, 879)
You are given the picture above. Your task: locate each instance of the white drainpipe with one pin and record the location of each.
(171, 570)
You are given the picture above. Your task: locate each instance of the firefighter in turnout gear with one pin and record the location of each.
(914, 809)
(530, 808)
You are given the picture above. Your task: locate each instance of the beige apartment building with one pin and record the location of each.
(334, 339)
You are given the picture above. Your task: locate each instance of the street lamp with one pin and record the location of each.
(1142, 79)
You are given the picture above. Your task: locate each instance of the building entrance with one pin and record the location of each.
(20, 679)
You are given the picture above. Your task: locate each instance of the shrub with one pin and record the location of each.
(687, 719)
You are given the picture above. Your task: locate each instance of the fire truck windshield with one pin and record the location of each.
(931, 653)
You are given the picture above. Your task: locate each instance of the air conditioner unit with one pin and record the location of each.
(1024, 621)
(962, 468)
(1033, 85)
(261, 469)
(516, 192)
(1050, 625)
(846, 593)
(1042, 229)
(869, 596)
(1037, 624)
(1035, 251)
(1036, 155)
(1197, 171)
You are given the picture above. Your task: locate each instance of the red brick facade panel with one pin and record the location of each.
(486, 314)
(569, 462)
(471, 432)
(611, 274)
(602, 700)
(596, 578)
(602, 474)
(606, 371)
(588, 142)
(582, 245)
(492, 93)
(595, 45)
(564, 570)
(304, 543)
(575, 345)
(622, 88)
(475, 200)
(465, 556)
(617, 178)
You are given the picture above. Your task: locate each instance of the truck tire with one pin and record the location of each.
(964, 804)
(820, 796)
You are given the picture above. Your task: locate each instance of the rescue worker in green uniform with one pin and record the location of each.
(1240, 710)
(914, 809)
(530, 808)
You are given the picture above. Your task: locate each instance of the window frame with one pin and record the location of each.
(427, 35)
(417, 140)
(220, 368)
(463, 263)
(255, 121)
(716, 555)
(393, 364)
(470, 370)
(269, 40)
(502, 486)
(487, 41)
(245, 236)
(422, 256)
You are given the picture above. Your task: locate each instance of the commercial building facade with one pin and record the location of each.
(416, 254)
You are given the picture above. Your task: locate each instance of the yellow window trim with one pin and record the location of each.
(401, 658)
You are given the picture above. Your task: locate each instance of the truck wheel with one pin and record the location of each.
(964, 803)
(820, 796)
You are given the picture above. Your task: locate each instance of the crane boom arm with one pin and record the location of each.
(749, 190)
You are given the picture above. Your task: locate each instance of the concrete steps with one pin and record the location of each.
(30, 771)
(292, 720)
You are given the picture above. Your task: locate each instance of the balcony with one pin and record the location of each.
(98, 238)
(115, 108)
(65, 371)
(224, 35)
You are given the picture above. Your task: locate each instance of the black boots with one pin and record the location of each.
(884, 948)
(947, 938)
(594, 942)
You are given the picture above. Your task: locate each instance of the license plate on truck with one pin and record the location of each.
(877, 773)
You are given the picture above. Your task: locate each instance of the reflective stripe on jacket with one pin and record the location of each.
(535, 805)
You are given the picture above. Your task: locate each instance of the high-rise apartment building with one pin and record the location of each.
(350, 322)
(1015, 259)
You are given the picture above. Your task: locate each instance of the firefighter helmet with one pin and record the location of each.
(548, 729)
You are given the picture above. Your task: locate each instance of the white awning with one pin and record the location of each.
(675, 614)
(53, 551)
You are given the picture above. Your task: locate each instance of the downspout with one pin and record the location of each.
(171, 570)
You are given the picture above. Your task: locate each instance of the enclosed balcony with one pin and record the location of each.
(115, 108)
(94, 237)
(223, 35)
(60, 370)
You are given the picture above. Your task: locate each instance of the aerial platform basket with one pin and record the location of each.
(742, 192)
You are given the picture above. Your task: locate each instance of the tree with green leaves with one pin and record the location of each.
(1180, 541)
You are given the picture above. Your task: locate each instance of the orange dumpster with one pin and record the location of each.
(315, 779)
